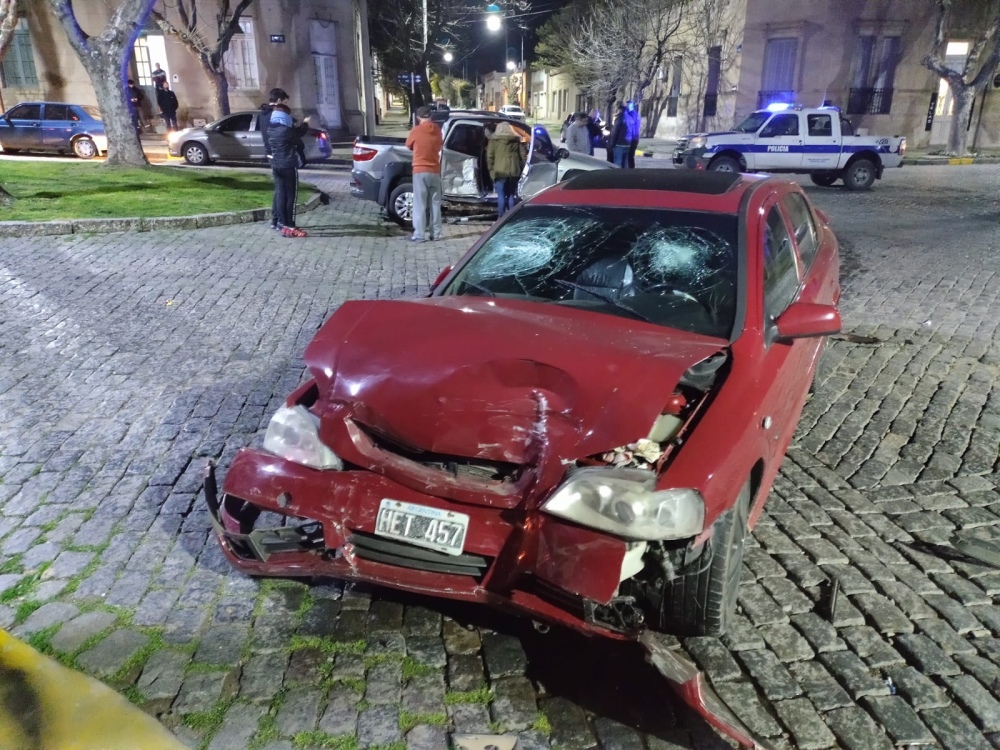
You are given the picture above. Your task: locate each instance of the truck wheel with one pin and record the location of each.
(823, 179)
(859, 175)
(400, 208)
(724, 164)
(701, 599)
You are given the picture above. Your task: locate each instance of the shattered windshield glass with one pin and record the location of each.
(671, 268)
(753, 122)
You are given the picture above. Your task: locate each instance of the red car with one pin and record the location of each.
(580, 423)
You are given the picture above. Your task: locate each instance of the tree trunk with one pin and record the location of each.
(108, 71)
(219, 83)
(965, 97)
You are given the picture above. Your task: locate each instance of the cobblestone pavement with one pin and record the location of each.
(129, 359)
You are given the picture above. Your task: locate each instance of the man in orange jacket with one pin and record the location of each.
(425, 142)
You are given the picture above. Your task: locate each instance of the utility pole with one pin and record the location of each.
(367, 76)
(427, 67)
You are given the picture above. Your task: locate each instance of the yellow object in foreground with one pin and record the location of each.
(45, 706)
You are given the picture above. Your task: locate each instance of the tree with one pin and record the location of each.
(105, 58)
(8, 20)
(190, 31)
(981, 25)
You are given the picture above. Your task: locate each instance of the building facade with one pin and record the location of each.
(314, 49)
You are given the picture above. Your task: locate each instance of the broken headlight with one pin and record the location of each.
(624, 503)
(293, 434)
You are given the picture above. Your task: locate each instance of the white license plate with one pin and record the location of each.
(440, 530)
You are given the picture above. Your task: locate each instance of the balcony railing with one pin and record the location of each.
(766, 98)
(869, 101)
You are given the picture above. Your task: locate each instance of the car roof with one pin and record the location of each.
(695, 190)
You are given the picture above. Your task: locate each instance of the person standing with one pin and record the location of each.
(425, 142)
(619, 141)
(505, 160)
(135, 98)
(276, 97)
(283, 135)
(578, 136)
(159, 77)
(166, 100)
(634, 127)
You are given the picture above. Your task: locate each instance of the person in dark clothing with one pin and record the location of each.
(166, 100)
(283, 135)
(135, 98)
(277, 96)
(634, 126)
(159, 76)
(618, 142)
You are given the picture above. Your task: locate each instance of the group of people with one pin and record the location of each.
(584, 132)
(166, 100)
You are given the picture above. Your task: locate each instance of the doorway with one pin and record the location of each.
(323, 37)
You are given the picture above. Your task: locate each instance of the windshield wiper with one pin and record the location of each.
(479, 287)
(605, 298)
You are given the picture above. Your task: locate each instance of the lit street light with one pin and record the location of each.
(511, 65)
(448, 57)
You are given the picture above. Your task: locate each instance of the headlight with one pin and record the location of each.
(623, 502)
(697, 142)
(293, 434)
(175, 136)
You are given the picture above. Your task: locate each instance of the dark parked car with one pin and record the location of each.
(53, 126)
(581, 423)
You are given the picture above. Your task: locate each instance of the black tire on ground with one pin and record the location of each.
(859, 175)
(724, 164)
(195, 154)
(400, 206)
(84, 148)
(823, 179)
(701, 600)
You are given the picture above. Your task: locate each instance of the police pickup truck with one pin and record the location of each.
(818, 142)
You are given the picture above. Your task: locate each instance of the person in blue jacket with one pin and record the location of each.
(283, 136)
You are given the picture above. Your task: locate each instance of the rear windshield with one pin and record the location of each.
(670, 268)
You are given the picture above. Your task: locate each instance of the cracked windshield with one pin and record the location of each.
(670, 268)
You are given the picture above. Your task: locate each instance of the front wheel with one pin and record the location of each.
(859, 175)
(701, 599)
(84, 148)
(823, 179)
(195, 154)
(724, 164)
(400, 208)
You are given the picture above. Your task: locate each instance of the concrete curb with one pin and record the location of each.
(141, 223)
(950, 161)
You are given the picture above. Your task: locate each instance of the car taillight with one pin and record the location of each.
(321, 135)
(364, 154)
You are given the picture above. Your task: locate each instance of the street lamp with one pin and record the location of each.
(493, 18)
(448, 57)
(511, 65)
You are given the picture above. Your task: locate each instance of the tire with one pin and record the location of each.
(84, 148)
(701, 600)
(400, 206)
(724, 164)
(195, 154)
(823, 179)
(859, 175)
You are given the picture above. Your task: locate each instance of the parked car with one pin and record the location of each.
(383, 166)
(237, 137)
(512, 110)
(818, 142)
(53, 126)
(581, 423)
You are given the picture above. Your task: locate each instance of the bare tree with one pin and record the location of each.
(189, 29)
(982, 26)
(105, 58)
(8, 20)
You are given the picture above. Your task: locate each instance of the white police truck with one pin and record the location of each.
(785, 138)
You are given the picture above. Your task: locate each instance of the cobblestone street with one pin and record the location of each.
(132, 359)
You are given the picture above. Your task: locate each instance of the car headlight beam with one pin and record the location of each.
(293, 434)
(697, 142)
(623, 502)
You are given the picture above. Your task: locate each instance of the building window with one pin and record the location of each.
(675, 88)
(712, 87)
(779, 72)
(240, 61)
(17, 70)
(875, 62)
(142, 67)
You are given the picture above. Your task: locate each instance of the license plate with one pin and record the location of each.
(440, 530)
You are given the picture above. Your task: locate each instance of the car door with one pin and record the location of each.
(256, 140)
(229, 138)
(822, 149)
(58, 122)
(779, 143)
(463, 160)
(22, 127)
(541, 169)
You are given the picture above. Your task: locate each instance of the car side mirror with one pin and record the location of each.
(802, 320)
(562, 153)
(441, 277)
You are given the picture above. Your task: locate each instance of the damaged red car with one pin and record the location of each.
(581, 423)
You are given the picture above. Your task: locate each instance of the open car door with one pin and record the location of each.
(541, 169)
(463, 160)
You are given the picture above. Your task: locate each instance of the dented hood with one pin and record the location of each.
(484, 378)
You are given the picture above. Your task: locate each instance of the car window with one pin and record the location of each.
(781, 280)
(820, 125)
(467, 138)
(752, 122)
(781, 125)
(26, 112)
(58, 112)
(845, 127)
(670, 268)
(806, 235)
(236, 123)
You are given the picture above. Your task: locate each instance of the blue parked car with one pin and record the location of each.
(53, 126)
